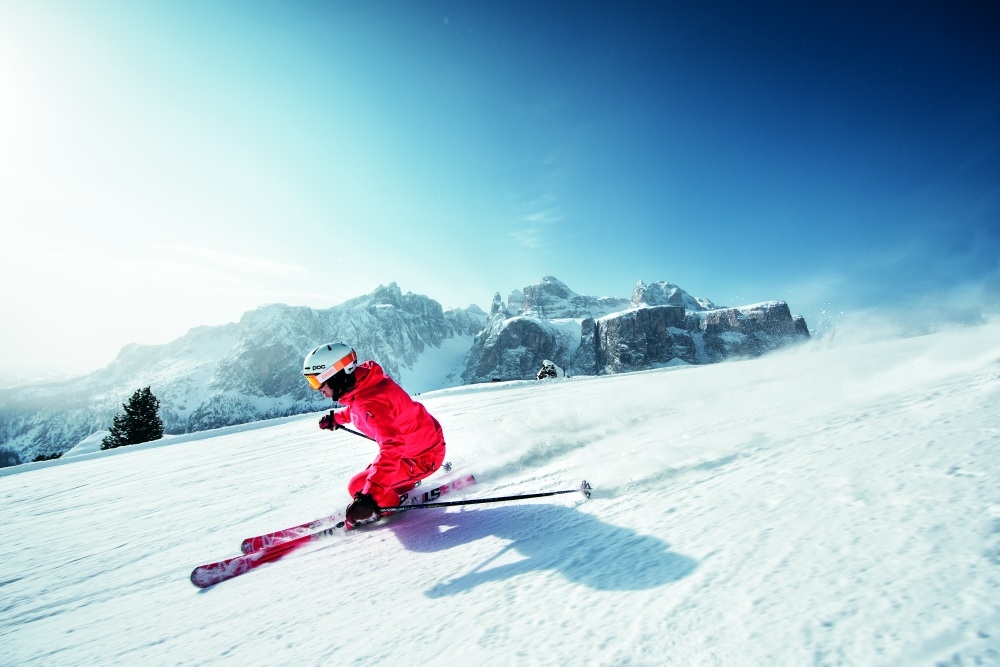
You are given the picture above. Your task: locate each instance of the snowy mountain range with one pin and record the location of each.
(250, 370)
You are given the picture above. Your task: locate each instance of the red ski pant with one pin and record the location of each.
(410, 472)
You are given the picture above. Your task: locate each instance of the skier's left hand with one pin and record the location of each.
(328, 423)
(364, 509)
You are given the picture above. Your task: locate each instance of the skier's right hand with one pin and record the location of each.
(364, 509)
(328, 423)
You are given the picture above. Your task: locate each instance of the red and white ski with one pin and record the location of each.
(259, 542)
(279, 543)
(210, 574)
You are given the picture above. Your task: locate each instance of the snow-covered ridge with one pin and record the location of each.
(244, 371)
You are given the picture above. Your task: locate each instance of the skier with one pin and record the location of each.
(549, 370)
(410, 441)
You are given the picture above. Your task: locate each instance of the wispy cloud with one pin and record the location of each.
(240, 263)
(528, 238)
(537, 207)
(534, 219)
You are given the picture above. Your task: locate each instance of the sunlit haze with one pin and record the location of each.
(165, 165)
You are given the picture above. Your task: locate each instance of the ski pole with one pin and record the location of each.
(352, 431)
(584, 489)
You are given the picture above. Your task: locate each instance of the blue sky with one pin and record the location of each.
(198, 159)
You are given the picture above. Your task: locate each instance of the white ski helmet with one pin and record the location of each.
(326, 361)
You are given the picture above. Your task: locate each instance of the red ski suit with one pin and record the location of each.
(410, 440)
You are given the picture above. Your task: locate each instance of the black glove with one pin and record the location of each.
(364, 509)
(328, 423)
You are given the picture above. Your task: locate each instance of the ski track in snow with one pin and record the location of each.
(814, 507)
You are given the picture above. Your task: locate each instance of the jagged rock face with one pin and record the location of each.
(648, 337)
(584, 360)
(233, 374)
(749, 331)
(639, 339)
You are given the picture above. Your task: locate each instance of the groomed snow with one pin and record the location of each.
(814, 507)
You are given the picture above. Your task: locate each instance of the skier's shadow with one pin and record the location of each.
(582, 548)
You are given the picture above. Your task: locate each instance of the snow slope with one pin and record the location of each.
(813, 507)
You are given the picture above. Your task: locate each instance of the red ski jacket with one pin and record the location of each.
(410, 440)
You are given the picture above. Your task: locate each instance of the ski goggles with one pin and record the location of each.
(314, 381)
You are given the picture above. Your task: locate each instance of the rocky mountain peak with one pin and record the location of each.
(551, 299)
(667, 294)
(383, 295)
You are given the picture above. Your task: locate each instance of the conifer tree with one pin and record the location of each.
(140, 422)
